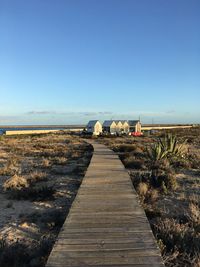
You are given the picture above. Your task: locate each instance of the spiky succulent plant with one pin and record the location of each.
(166, 147)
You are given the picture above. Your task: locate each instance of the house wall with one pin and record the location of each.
(138, 127)
(113, 130)
(110, 129)
(119, 127)
(97, 128)
(126, 127)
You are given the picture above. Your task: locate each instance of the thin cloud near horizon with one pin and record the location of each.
(84, 113)
(48, 117)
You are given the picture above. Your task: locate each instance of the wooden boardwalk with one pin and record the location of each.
(106, 225)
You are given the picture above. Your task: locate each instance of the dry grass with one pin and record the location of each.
(134, 163)
(36, 176)
(31, 186)
(154, 195)
(169, 192)
(194, 213)
(16, 182)
(46, 163)
(180, 241)
(142, 189)
(60, 160)
(11, 167)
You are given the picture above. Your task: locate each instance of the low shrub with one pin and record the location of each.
(20, 255)
(140, 177)
(36, 176)
(194, 160)
(153, 195)
(175, 235)
(45, 246)
(163, 176)
(60, 160)
(125, 148)
(152, 213)
(33, 193)
(16, 182)
(194, 214)
(2, 244)
(52, 218)
(140, 152)
(46, 163)
(14, 255)
(142, 189)
(10, 168)
(132, 162)
(180, 163)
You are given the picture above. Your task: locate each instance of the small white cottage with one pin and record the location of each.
(135, 126)
(119, 128)
(94, 127)
(125, 126)
(110, 127)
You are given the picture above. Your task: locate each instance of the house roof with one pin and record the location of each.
(108, 123)
(117, 121)
(92, 123)
(123, 121)
(133, 123)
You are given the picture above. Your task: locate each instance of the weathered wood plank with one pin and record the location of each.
(106, 242)
(64, 259)
(62, 246)
(106, 226)
(144, 235)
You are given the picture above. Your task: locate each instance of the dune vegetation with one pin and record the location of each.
(165, 171)
(39, 178)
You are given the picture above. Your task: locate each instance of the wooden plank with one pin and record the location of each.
(106, 220)
(108, 241)
(65, 259)
(106, 226)
(144, 235)
(107, 229)
(62, 246)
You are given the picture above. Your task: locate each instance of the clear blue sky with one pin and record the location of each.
(67, 61)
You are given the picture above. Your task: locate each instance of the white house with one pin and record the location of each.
(125, 126)
(110, 127)
(119, 128)
(94, 127)
(135, 126)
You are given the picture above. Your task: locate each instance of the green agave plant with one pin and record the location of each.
(165, 147)
(156, 152)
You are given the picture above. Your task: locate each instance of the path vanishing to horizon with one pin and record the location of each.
(106, 225)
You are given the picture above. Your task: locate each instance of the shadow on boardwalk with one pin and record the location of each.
(106, 225)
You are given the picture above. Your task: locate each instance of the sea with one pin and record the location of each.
(21, 128)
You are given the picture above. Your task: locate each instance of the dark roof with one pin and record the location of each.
(92, 123)
(133, 122)
(108, 123)
(117, 121)
(123, 121)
